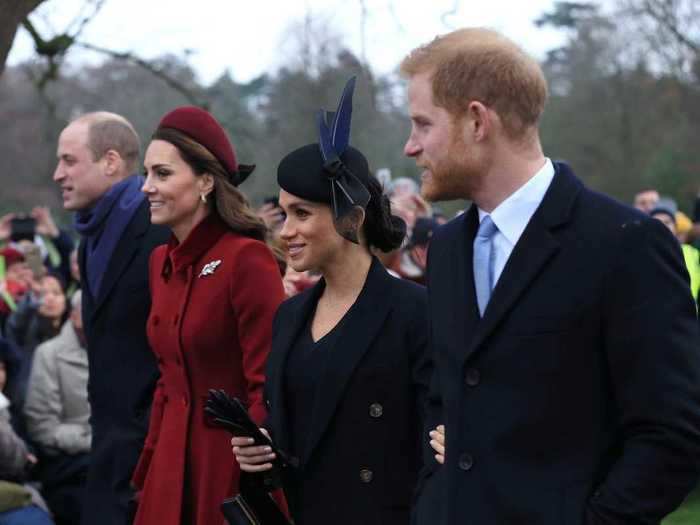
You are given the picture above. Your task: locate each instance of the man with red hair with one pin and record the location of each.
(567, 377)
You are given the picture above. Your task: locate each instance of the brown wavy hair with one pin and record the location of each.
(227, 202)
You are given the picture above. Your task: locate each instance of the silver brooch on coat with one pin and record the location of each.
(209, 268)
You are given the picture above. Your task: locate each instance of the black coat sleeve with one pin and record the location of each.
(651, 350)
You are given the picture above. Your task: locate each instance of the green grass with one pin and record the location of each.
(688, 513)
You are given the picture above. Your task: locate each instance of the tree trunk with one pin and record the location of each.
(12, 12)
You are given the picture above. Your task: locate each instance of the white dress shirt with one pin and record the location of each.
(513, 214)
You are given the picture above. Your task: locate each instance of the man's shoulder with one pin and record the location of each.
(450, 230)
(590, 207)
(405, 291)
(599, 207)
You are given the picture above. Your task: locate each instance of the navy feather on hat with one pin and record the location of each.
(331, 171)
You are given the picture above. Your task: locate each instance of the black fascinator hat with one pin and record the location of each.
(331, 171)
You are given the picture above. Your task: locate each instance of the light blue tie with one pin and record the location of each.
(484, 262)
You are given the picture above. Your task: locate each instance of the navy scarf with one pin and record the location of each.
(103, 225)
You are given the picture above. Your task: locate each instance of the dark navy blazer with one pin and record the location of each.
(576, 399)
(122, 368)
(363, 446)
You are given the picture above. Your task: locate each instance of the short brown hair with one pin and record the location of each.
(228, 202)
(109, 131)
(481, 64)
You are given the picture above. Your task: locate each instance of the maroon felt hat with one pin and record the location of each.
(201, 126)
(11, 256)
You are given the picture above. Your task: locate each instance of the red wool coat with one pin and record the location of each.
(214, 298)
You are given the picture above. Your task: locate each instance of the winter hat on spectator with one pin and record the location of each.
(202, 127)
(683, 223)
(11, 256)
(665, 207)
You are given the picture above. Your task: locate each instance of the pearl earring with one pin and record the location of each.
(203, 197)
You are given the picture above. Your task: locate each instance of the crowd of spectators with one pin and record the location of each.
(685, 229)
(44, 411)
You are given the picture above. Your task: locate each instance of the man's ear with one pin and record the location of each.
(113, 162)
(478, 121)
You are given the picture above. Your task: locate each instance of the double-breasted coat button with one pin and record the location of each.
(376, 410)
(472, 377)
(466, 462)
(366, 475)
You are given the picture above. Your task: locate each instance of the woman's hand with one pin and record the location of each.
(252, 458)
(437, 441)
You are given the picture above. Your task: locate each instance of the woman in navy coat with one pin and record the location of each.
(348, 369)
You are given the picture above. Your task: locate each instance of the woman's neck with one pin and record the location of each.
(183, 229)
(346, 274)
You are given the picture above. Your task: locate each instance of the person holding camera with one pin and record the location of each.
(349, 364)
(39, 227)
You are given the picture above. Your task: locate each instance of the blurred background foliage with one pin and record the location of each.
(624, 107)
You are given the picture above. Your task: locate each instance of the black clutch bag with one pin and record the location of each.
(256, 508)
(254, 505)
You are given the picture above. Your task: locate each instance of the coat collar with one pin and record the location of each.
(68, 347)
(124, 253)
(360, 327)
(464, 312)
(537, 245)
(202, 237)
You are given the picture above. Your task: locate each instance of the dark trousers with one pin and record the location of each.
(63, 480)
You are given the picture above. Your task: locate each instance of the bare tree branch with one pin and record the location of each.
(397, 21)
(664, 14)
(172, 82)
(98, 4)
(444, 16)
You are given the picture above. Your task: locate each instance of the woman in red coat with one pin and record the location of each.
(215, 289)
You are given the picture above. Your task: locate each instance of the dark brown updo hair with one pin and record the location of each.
(382, 229)
(227, 202)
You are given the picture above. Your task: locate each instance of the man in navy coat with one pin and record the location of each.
(98, 154)
(567, 367)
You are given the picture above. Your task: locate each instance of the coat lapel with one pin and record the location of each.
(290, 326)
(536, 247)
(362, 324)
(123, 254)
(463, 309)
